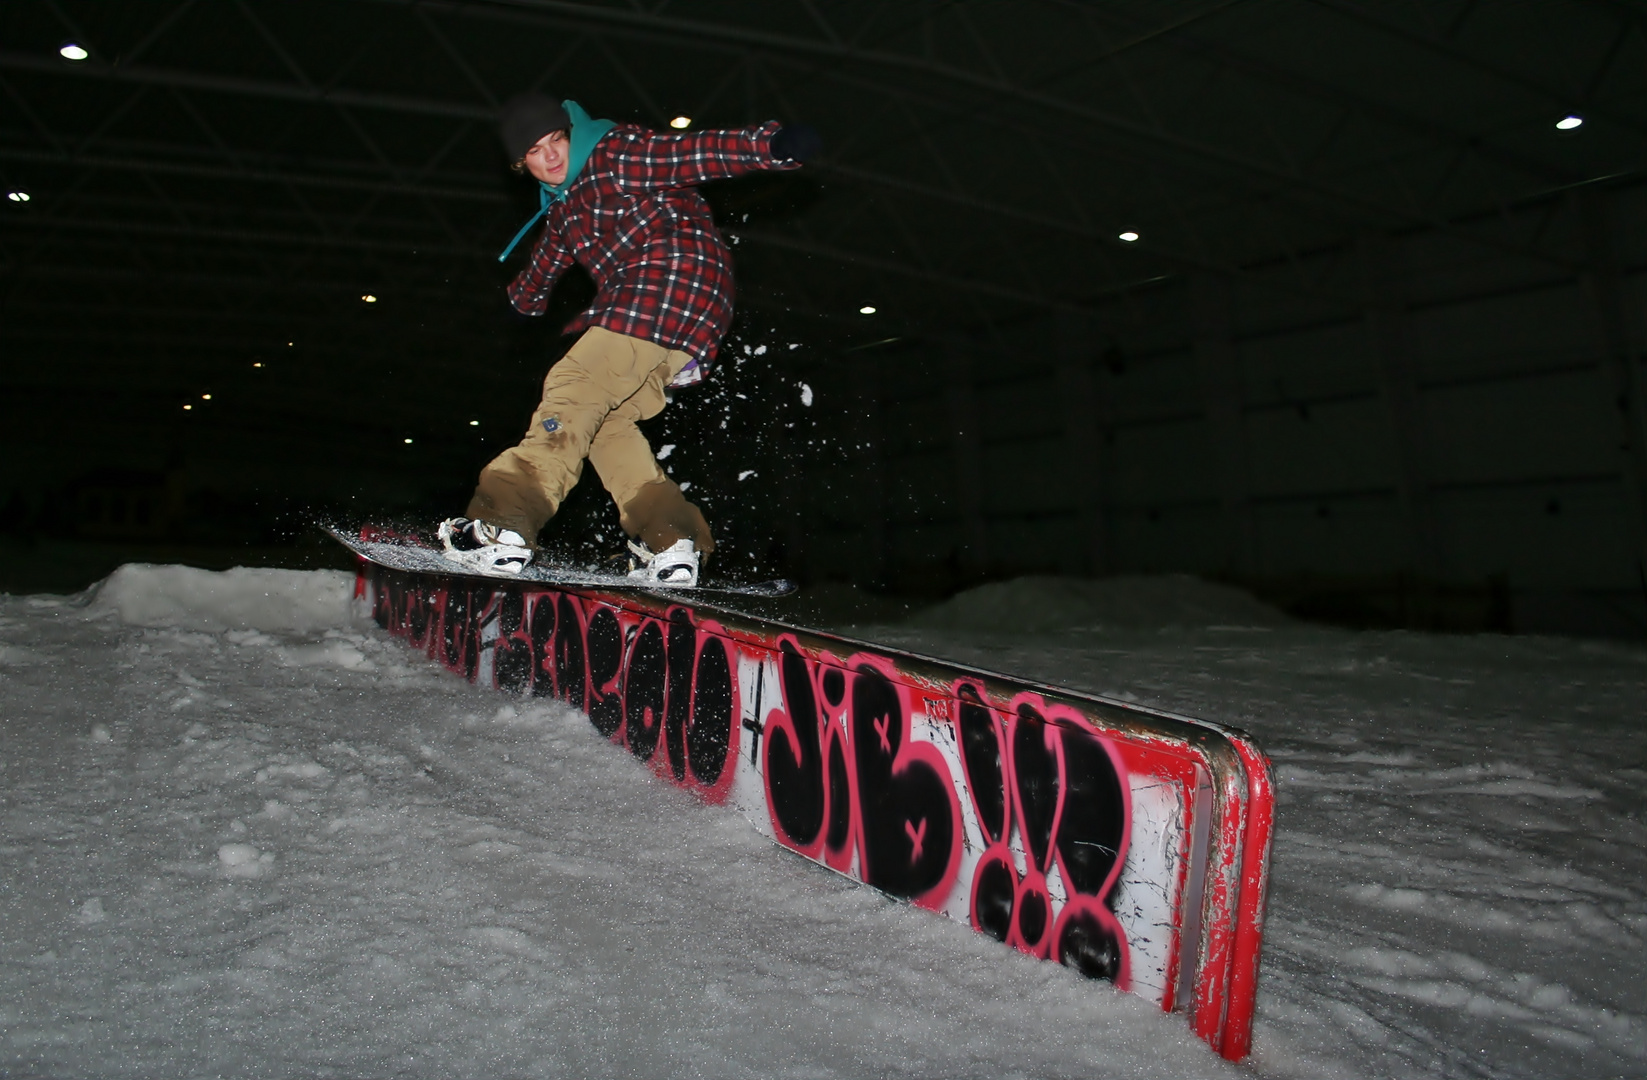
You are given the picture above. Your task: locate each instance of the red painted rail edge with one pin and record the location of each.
(1128, 844)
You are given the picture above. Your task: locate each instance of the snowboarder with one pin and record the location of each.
(618, 200)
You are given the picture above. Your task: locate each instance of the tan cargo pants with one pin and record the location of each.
(592, 400)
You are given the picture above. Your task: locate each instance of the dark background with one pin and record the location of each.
(1376, 354)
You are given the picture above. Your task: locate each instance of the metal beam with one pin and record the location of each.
(1559, 99)
(143, 75)
(1177, 260)
(239, 236)
(952, 281)
(1222, 55)
(994, 87)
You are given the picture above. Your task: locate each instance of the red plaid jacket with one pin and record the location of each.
(633, 220)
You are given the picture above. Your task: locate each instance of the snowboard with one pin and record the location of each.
(401, 552)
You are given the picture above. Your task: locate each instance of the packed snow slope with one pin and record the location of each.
(240, 833)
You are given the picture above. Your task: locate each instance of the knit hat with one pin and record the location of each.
(526, 118)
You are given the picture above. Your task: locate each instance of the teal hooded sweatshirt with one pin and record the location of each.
(585, 134)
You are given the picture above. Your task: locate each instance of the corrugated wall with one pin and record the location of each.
(1403, 422)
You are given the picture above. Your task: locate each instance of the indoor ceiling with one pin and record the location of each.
(216, 178)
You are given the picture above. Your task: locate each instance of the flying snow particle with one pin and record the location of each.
(665, 450)
(747, 473)
(806, 395)
(686, 485)
(793, 345)
(760, 350)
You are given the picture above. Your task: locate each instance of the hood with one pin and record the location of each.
(586, 134)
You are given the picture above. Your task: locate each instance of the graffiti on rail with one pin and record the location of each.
(1047, 795)
(847, 784)
(665, 687)
(845, 778)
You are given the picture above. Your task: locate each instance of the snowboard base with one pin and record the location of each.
(399, 552)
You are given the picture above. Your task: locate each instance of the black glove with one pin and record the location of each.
(796, 142)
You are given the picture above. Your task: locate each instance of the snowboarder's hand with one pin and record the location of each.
(796, 142)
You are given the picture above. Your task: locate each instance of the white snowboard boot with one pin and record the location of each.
(475, 545)
(675, 566)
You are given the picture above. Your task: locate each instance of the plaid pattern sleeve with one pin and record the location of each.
(648, 160)
(529, 292)
(634, 221)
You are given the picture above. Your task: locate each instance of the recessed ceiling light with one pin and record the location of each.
(408, 442)
(186, 408)
(681, 123)
(205, 397)
(474, 423)
(72, 51)
(1129, 236)
(18, 196)
(867, 309)
(257, 363)
(369, 298)
(289, 344)
(1568, 123)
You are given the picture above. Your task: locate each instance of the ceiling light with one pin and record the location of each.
(289, 344)
(1568, 123)
(186, 408)
(474, 423)
(369, 298)
(205, 397)
(71, 51)
(257, 363)
(681, 123)
(867, 309)
(1129, 236)
(18, 196)
(408, 442)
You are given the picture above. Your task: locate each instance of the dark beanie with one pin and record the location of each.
(526, 118)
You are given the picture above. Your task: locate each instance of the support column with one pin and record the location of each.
(1075, 350)
(966, 443)
(1621, 367)
(1223, 396)
(873, 475)
(1384, 280)
(787, 458)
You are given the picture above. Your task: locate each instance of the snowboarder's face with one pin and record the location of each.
(547, 159)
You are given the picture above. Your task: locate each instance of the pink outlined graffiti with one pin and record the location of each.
(848, 785)
(644, 681)
(1044, 787)
(882, 765)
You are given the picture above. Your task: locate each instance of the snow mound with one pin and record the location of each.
(1136, 602)
(244, 598)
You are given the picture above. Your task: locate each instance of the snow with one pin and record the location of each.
(1036, 604)
(238, 599)
(242, 833)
